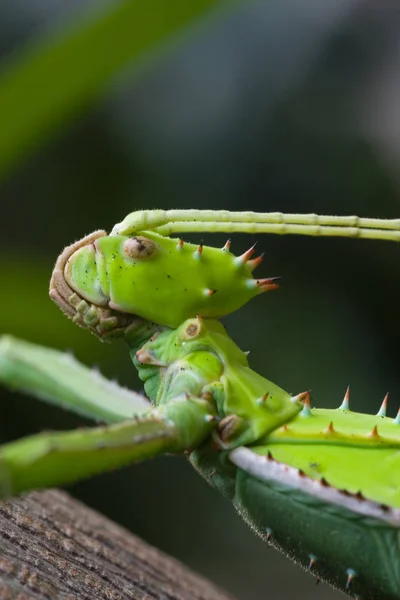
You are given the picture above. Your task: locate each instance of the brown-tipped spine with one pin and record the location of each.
(267, 284)
(243, 258)
(255, 262)
(382, 411)
(227, 246)
(374, 433)
(346, 400)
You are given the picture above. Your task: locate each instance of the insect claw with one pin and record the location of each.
(180, 244)
(227, 246)
(382, 411)
(397, 419)
(255, 262)
(346, 400)
(209, 292)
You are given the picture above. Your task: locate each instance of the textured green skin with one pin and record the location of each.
(348, 458)
(195, 375)
(339, 538)
(210, 362)
(175, 278)
(195, 380)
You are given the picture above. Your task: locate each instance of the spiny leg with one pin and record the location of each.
(178, 221)
(58, 378)
(58, 458)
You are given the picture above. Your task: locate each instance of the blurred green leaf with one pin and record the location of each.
(28, 312)
(56, 77)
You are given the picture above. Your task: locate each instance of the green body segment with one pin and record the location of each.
(162, 279)
(359, 555)
(200, 359)
(351, 451)
(325, 490)
(321, 485)
(301, 486)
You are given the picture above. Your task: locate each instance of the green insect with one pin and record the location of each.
(320, 484)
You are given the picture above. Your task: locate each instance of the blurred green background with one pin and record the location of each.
(289, 106)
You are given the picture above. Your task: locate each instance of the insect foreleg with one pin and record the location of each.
(50, 459)
(58, 378)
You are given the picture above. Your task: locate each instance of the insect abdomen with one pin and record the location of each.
(355, 553)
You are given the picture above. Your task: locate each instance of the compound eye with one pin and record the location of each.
(139, 247)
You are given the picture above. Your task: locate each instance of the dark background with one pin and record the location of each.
(288, 106)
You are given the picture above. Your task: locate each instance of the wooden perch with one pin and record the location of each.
(54, 547)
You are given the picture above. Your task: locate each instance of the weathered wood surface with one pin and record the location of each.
(54, 547)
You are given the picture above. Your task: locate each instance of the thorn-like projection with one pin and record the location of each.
(227, 246)
(208, 292)
(312, 561)
(146, 358)
(243, 258)
(199, 251)
(374, 433)
(346, 400)
(255, 262)
(351, 575)
(180, 244)
(397, 419)
(268, 534)
(330, 429)
(210, 418)
(264, 285)
(306, 411)
(300, 397)
(267, 284)
(382, 411)
(261, 401)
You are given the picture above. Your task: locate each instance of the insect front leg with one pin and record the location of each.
(58, 378)
(60, 458)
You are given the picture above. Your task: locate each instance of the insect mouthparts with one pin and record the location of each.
(100, 320)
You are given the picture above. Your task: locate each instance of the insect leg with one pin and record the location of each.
(59, 458)
(58, 378)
